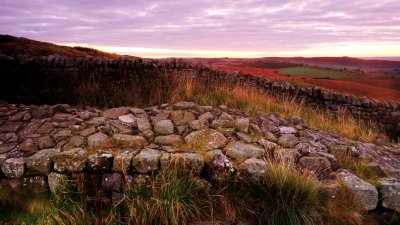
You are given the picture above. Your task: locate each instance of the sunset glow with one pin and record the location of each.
(255, 28)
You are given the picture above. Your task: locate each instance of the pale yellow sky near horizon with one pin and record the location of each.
(351, 49)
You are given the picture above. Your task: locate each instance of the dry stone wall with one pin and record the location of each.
(109, 151)
(386, 113)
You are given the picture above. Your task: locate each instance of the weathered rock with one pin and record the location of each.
(197, 124)
(28, 145)
(366, 192)
(128, 119)
(253, 168)
(164, 115)
(180, 117)
(209, 156)
(112, 182)
(206, 139)
(306, 149)
(7, 147)
(172, 139)
(240, 151)
(122, 161)
(206, 117)
(57, 182)
(287, 130)
(267, 145)
(224, 123)
(242, 124)
(97, 121)
(62, 135)
(46, 142)
(189, 161)
(288, 140)
(14, 167)
(73, 160)
(42, 161)
(114, 113)
(164, 127)
(88, 131)
(288, 155)
(316, 164)
(29, 129)
(99, 162)
(46, 128)
(121, 128)
(390, 193)
(149, 135)
(146, 161)
(132, 141)
(96, 139)
(184, 105)
(219, 167)
(244, 137)
(331, 158)
(35, 183)
(76, 141)
(10, 126)
(143, 124)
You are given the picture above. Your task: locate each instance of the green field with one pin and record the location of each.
(314, 72)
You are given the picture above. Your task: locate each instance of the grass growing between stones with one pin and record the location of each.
(174, 196)
(252, 100)
(283, 196)
(177, 196)
(345, 208)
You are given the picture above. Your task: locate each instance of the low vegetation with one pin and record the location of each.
(305, 71)
(253, 100)
(177, 196)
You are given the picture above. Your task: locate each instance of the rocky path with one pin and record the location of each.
(44, 145)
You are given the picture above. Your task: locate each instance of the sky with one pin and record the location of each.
(211, 28)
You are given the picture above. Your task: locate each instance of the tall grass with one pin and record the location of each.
(174, 196)
(253, 100)
(345, 208)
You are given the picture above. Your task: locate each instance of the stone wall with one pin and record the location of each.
(155, 73)
(110, 151)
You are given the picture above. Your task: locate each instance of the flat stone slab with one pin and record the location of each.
(206, 139)
(133, 141)
(10, 126)
(96, 139)
(241, 151)
(73, 160)
(114, 113)
(171, 139)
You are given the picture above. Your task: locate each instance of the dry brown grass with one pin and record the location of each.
(253, 100)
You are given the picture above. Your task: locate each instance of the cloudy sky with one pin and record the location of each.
(245, 28)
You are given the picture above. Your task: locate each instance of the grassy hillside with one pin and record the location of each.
(314, 72)
(18, 46)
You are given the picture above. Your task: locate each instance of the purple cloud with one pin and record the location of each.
(254, 25)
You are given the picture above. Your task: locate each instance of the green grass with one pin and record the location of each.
(314, 72)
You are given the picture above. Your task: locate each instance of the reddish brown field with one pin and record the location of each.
(374, 87)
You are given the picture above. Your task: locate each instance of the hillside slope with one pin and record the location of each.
(19, 47)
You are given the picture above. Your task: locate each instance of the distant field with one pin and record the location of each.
(314, 72)
(374, 87)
